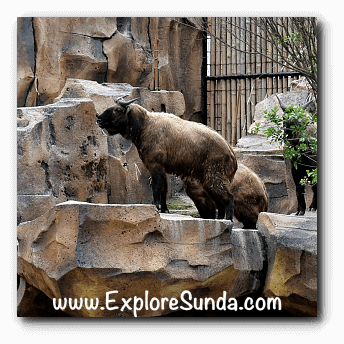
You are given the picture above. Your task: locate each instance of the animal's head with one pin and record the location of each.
(290, 123)
(114, 119)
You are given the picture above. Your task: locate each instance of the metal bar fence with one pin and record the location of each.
(238, 76)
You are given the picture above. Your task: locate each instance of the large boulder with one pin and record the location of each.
(104, 94)
(291, 243)
(268, 163)
(62, 154)
(83, 250)
(296, 97)
(68, 47)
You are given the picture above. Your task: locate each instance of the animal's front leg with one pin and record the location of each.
(313, 205)
(164, 208)
(300, 189)
(301, 204)
(159, 186)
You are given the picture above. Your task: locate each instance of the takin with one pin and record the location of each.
(250, 197)
(169, 144)
(308, 161)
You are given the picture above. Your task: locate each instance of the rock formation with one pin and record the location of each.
(58, 159)
(292, 260)
(114, 50)
(83, 250)
(63, 155)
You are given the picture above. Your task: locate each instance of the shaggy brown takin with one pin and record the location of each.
(169, 144)
(250, 197)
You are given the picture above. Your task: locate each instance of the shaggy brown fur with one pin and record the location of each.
(250, 197)
(169, 144)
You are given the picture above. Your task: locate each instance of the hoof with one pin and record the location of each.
(299, 213)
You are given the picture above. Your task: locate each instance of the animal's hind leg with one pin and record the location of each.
(204, 204)
(223, 198)
(229, 208)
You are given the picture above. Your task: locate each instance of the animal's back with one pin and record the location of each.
(184, 145)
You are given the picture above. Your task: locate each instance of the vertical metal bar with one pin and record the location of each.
(223, 86)
(218, 72)
(233, 82)
(242, 81)
(204, 72)
(212, 72)
(236, 115)
(259, 62)
(228, 82)
(156, 63)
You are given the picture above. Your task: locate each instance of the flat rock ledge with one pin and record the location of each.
(106, 252)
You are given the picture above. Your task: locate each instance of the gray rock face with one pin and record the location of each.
(63, 155)
(297, 97)
(58, 159)
(292, 260)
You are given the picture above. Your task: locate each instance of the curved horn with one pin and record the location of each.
(121, 97)
(283, 106)
(304, 106)
(125, 104)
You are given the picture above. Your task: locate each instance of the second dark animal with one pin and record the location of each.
(308, 161)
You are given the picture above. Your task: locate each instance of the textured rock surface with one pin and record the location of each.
(85, 250)
(296, 97)
(103, 95)
(32, 302)
(25, 59)
(292, 260)
(115, 50)
(62, 155)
